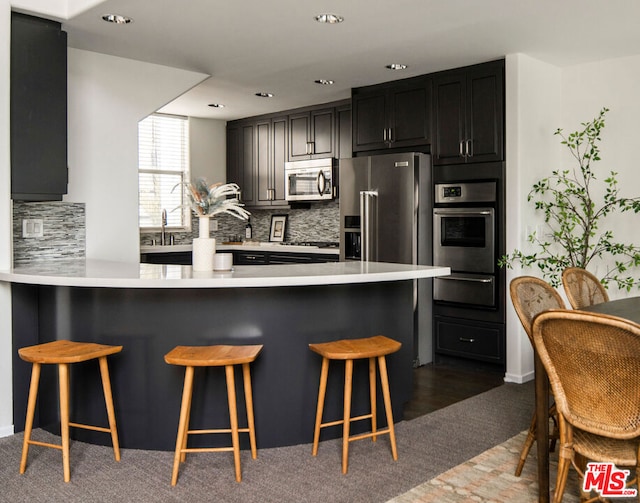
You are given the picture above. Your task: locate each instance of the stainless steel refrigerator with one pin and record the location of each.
(386, 216)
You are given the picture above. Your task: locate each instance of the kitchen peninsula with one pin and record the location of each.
(151, 308)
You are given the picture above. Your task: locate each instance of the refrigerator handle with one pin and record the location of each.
(369, 225)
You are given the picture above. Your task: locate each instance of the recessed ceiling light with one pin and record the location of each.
(117, 19)
(329, 18)
(264, 95)
(396, 66)
(324, 82)
(216, 105)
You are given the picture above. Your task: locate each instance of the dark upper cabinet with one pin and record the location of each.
(343, 132)
(311, 134)
(38, 109)
(240, 159)
(271, 154)
(256, 153)
(259, 147)
(392, 115)
(469, 114)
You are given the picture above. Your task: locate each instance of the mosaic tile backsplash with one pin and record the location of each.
(65, 228)
(319, 222)
(64, 234)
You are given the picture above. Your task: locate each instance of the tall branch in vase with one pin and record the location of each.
(574, 215)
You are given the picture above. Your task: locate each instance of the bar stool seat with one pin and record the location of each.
(372, 348)
(64, 353)
(214, 356)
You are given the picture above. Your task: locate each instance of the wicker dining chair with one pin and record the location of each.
(583, 289)
(593, 363)
(531, 296)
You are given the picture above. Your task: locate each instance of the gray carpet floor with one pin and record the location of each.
(427, 446)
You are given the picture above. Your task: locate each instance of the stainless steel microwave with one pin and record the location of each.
(312, 180)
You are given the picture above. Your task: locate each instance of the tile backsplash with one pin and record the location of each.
(64, 227)
(64, 231)
(319, 222)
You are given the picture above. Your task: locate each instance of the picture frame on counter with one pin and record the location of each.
(278, 228)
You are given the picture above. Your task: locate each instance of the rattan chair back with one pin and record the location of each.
(593, 363)
(583, 289)
(531, 296)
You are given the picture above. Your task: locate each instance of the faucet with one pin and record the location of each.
(163, 224)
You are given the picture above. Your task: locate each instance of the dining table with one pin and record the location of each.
(627, 308)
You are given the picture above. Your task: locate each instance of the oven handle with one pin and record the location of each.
(463, 213)
(466, 278)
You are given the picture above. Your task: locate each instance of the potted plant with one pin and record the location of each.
(575, 204)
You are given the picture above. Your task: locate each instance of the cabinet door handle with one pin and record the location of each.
(461, 145)
(384, 134)
(390, 135)
(469, 148)
(466, 339)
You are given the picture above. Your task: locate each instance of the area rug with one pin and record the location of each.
(489, 478)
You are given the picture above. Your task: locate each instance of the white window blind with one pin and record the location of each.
(163, 163)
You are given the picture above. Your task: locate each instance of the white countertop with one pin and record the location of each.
(97, 273)
(252, 246)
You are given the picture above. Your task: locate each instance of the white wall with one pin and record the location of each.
(613, 84)
(533, 91)
(208, 149)
(6, 379)
(540, 99)
(107, 98)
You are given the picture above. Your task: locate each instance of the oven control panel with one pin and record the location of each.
(452, 191)
(471, 192)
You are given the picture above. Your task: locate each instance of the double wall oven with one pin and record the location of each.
(464, 239)
(468, 237)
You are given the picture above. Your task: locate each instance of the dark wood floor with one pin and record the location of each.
(447, 381)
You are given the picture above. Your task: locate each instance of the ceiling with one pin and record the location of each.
(276, 46)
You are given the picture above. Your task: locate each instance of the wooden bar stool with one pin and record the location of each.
(63, 353)
(214, 356)
(348, 350)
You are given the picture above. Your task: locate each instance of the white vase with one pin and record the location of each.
(204, 248)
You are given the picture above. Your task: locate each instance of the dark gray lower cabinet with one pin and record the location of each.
(177, 258)
(250, 258)
(242, 257)
(469, 338)
(263, 258)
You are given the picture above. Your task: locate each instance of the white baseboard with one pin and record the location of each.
(6, 431)
(519, 378)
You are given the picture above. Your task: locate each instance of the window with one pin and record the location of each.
(163, 163)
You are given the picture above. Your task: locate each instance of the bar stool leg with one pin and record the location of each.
(372, 397)
(183, 425)
(31, 409)
(321, 395)
(384, 379)
(183, 447)
(108, 399)
(348, 382)
(63, 375)
(233, 416)
(248, 398)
